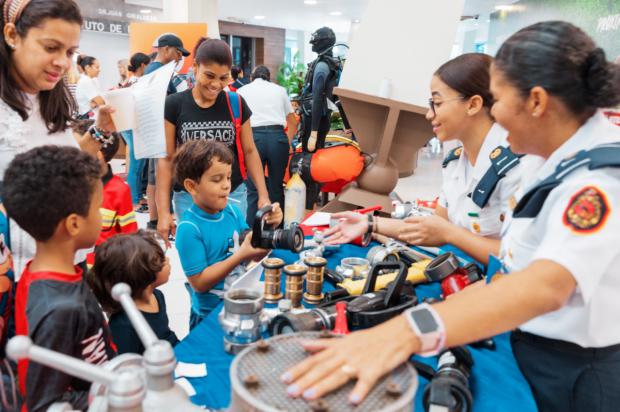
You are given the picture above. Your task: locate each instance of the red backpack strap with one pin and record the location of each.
(236, 116)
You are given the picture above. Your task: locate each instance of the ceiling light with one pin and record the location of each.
(335, 13)
(356, 21)
(509, 7)
(259, 17)
(145, 11)
(310, 2)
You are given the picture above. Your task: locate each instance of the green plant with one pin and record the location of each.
(336, 122)
(291, 76)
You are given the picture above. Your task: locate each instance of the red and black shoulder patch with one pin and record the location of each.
(587, 211)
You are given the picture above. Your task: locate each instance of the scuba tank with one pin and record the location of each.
(294, 200)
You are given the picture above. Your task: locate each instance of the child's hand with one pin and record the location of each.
(247, 252)
(275, 216)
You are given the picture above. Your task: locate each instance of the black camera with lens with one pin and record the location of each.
(265, 236)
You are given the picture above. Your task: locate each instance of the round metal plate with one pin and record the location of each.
(284, 351)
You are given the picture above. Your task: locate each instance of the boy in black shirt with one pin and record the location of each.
(54, 193)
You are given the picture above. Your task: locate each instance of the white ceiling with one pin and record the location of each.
(295, 15)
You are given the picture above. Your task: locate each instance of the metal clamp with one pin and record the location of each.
(241, 319)
(353, 267)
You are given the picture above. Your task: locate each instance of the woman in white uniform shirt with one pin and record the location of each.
(88, 91)
(37, 41)
(475, 197)
(548, 81)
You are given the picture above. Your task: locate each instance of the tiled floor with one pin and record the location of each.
(424, 184)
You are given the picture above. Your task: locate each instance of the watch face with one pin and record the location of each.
(425, 321)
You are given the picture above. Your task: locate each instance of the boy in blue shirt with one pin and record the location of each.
(205, 234)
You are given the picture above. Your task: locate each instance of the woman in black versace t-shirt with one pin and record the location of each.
(204, 113)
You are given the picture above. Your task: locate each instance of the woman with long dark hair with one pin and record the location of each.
(561, 247)
(38, 39)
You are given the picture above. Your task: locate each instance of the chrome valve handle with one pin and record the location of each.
(126, 389)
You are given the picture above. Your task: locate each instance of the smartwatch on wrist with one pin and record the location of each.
(428, 326)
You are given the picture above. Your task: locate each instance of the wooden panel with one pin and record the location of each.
(259, 52)
(269, 42)
(368, 116)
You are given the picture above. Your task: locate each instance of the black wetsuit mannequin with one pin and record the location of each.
(319, 85)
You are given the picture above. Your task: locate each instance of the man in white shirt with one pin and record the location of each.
(271, 111)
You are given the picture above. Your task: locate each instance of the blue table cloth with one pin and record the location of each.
(496, 382)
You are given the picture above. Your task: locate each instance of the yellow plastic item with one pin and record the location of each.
(415, 275)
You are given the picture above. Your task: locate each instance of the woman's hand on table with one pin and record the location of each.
(337, 361)
(425, 230)
(351, 226)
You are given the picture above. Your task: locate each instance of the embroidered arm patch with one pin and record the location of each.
(587, 211)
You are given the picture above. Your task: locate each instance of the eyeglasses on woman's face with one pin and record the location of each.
(435, 105)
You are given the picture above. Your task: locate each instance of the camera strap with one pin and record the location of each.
(235, 109)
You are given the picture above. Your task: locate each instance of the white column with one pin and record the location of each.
(176, 11)
(411, 36)
(194, 11)
(205, 11)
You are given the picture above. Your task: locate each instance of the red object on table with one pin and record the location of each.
(341, 327)
(454, 283)
(431, 204)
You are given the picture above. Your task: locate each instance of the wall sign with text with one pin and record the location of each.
(116, 16)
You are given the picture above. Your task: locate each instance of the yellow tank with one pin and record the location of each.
(294, 200)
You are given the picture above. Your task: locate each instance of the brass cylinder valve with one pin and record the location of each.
(314, 279)
(273, 279)
(294, 283)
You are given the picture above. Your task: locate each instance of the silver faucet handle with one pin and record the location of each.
(21, 347)
(126, 389)
(121, 292)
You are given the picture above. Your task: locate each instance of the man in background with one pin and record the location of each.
(169, 49)
(271, 112)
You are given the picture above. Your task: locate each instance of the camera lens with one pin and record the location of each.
(289, 239)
